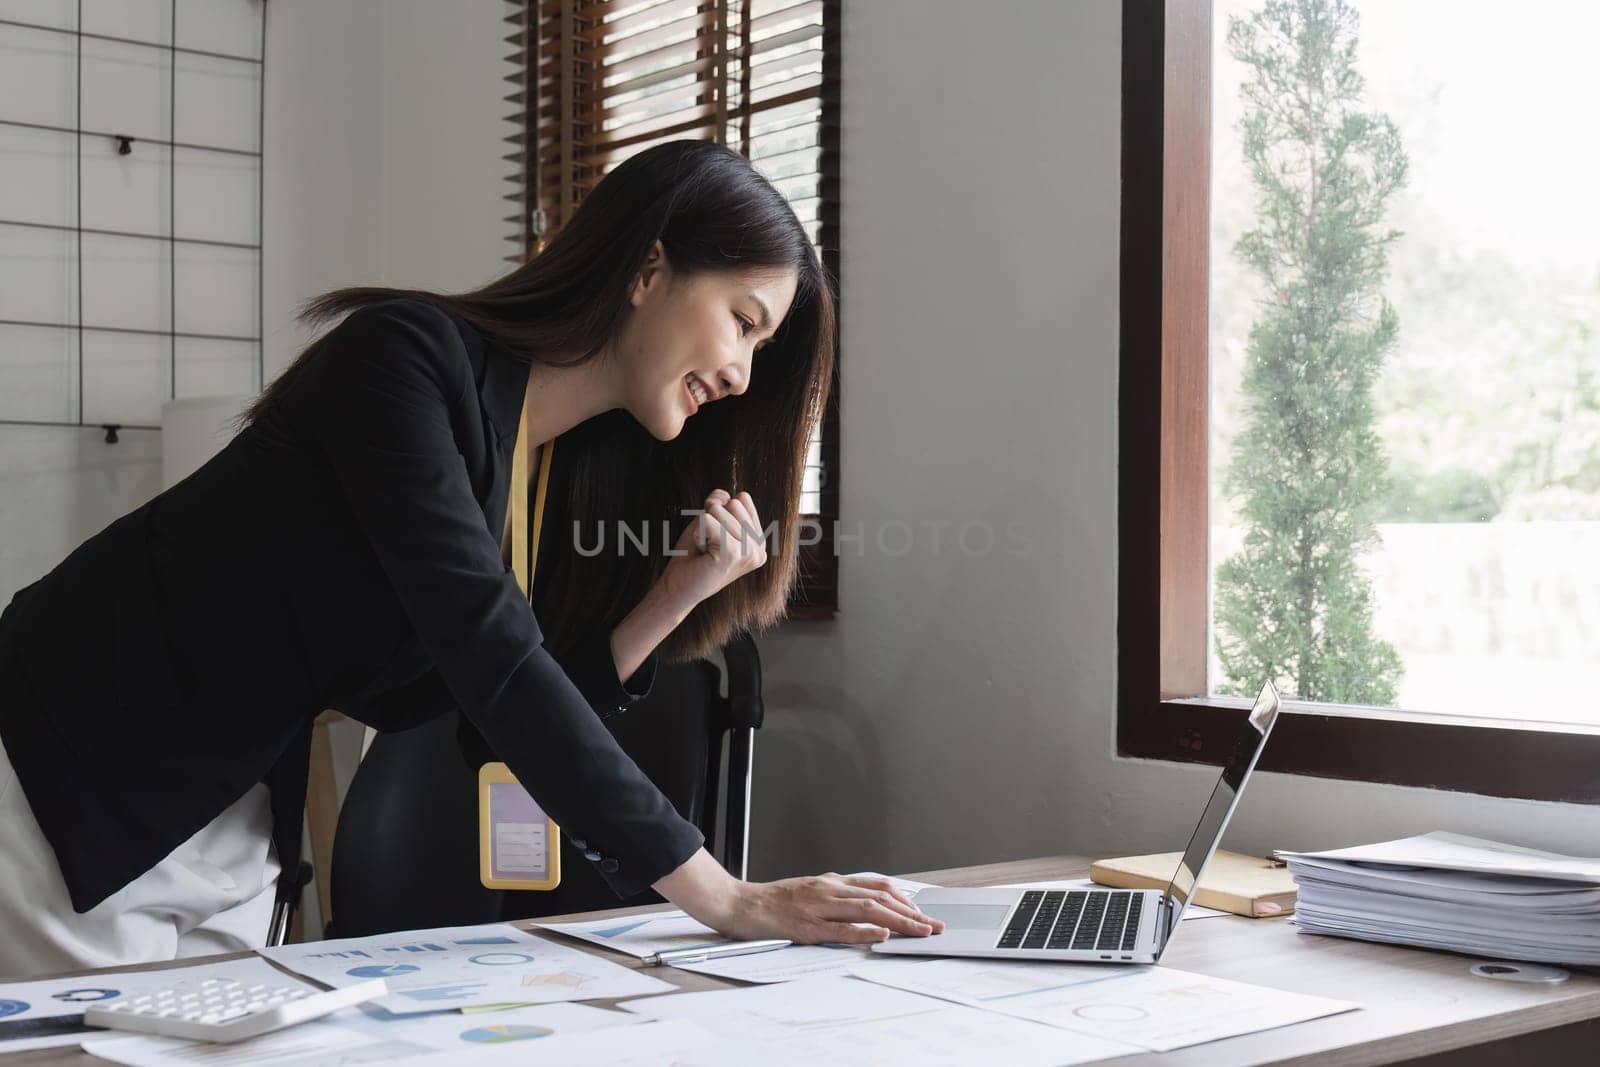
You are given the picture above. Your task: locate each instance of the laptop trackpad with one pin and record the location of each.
(969, 916)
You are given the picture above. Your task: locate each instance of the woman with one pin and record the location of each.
(347, 549)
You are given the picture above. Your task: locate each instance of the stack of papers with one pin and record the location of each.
(1452, 892)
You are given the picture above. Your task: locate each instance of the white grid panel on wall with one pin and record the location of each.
(130, 206)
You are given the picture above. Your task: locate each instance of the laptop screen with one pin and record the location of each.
(1214, 820)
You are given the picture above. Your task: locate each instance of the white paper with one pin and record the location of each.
(791, 964)
(642, 935)
(465, 966)
(1498, 946)
(58, 998)
(667, 931)
(1458, 852)
(520, 847)
(667, 1044)
(1448, 929)
(1193, 911)
(1155, 1007)
(1452, 892)
(1496, 890)
(1581, 928)
(844, 1022)
(352, 1036)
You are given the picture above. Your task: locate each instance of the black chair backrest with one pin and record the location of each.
(405, 853)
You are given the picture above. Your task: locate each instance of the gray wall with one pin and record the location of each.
(383, 151)
(323, 206)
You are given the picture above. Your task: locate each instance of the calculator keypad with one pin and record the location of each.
(213, 1000)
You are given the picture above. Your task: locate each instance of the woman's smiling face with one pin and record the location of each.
(690, 340)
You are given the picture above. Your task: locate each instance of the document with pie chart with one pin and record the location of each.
(464, 967)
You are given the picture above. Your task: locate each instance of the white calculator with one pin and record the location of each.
(219, 1009)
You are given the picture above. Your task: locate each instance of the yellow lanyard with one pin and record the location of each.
(525, 543)
(496, 872)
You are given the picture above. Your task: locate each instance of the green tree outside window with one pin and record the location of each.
(1307, 466)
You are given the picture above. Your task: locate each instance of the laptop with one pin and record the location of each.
(1090, 925)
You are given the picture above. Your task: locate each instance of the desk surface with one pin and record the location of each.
(1415, 1003)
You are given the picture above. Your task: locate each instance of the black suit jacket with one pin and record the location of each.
(341, 552)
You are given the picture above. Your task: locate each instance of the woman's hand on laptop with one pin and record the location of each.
(847, 909)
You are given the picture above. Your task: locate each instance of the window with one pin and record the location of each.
(1360, 418)
(603, 79)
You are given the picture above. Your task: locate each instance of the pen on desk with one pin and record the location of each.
(711, 952)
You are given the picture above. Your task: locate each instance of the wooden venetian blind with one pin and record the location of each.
(598, 80)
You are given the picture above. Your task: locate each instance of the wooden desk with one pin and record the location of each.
(1418, 1005)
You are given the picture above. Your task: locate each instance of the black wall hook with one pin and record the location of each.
(124, 143)
(111, 429)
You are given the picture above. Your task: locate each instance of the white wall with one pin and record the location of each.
(960, 709)
(59, 485)
(338, 76)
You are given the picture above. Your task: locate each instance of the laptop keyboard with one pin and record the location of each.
(1086, 919)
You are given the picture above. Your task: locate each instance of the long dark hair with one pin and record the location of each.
(711, 211)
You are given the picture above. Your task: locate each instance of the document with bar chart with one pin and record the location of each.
(464, 967)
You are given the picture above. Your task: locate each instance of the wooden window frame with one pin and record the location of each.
(1163, 710)
(816, 595)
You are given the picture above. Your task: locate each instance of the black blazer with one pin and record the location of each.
(341, 552)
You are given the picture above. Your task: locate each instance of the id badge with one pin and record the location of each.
(519, 846)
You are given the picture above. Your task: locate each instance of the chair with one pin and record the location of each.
(405, 855)
(321, 814)
(290, 885)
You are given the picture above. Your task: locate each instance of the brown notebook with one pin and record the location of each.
(1244, 885)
